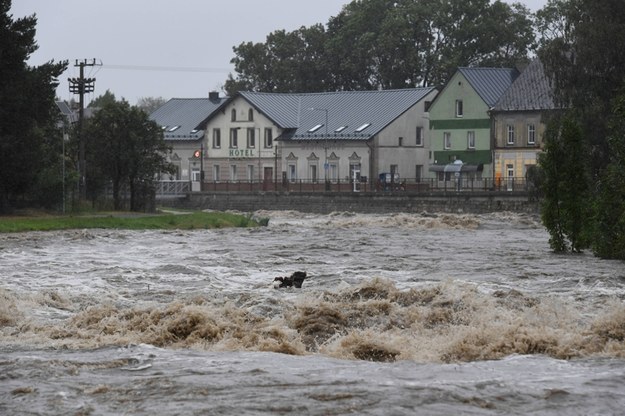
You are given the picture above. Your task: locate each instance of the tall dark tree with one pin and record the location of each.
(125, 148)
(581, 49)
(566, 206)
(28, 112)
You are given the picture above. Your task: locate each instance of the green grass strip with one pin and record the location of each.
(128, 221)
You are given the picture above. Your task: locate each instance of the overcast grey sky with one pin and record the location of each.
(148, 47)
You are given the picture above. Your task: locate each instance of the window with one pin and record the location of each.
(334, 171)
(459, 108)
(250, 114)
(531, 134)
(400, 142)
(447, 140)
(233, 115)
(419, 139)
(268, 137)
(361, 128)
(216, 172)
(340, 129)
(173, 128)
(314, 129)
(216, 138)
(233, 172)
(313, 173)
(234, 138)
(250, 173)
(510, 134)
(292, 172)
(251, 137)
(471, 140)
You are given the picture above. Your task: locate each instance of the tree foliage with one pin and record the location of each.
(125, 148)
(566, 205)
(150, 104)
(386, 44)
(28, 112)
(581, 49)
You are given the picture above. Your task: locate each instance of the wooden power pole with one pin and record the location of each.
(82, 86)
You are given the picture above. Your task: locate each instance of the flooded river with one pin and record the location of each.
(400, 315)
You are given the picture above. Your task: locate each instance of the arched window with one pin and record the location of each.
(233, 115)
(250, 114)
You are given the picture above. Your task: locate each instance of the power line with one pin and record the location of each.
(167, 68)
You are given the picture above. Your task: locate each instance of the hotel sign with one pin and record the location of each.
(242, 153)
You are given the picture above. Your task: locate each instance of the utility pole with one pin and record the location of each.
(82, 86)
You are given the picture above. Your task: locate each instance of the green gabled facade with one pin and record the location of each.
(460, 124)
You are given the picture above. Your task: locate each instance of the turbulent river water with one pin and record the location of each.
(401, 315)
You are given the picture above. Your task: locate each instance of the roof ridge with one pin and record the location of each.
(339, 92)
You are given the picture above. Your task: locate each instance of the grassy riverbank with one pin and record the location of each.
(126, 221)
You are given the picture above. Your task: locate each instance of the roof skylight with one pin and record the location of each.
(173, 128)
(361, 128)
(340, 129)
(314, 129)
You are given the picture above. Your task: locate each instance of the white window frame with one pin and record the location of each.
(233, 172)
(216, 138)
(251, 138)
(531, 134)
(510, 135)
(447, 140)
(216, 173)
(250, 173)
(419, 137)
(234, 138)
(459, 109)
(268, 138)
(470, 139)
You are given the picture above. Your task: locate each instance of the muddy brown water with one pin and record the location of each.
(401, 314)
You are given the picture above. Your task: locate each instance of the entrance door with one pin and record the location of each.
(510, 181)
(267, 177)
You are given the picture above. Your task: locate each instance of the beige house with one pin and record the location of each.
(328, 138)
(518, 125)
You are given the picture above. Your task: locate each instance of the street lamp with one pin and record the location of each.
(325, 147)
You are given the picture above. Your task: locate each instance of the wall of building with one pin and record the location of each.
(475, 118)
(243, 157)
(521, 153)
(325, 203)
(396, 144)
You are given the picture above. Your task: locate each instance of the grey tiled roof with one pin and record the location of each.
(531, 91)
(349, 110)
(490, 83)
(188, 114)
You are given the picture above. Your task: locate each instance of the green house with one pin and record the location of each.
(460, 125)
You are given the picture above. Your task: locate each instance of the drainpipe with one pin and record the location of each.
(371, 160)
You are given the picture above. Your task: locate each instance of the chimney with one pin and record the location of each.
(213, 95)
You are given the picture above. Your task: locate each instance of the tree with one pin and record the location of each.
(565, 207)
(386, 44)
(28, 112)
(609, 238)
(126, 148)
(105, 99)
(581, 49)
(150, 104)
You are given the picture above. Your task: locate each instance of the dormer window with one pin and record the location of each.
(361, 128)
(314, 129)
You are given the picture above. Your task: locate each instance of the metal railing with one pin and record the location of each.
(453, 184)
